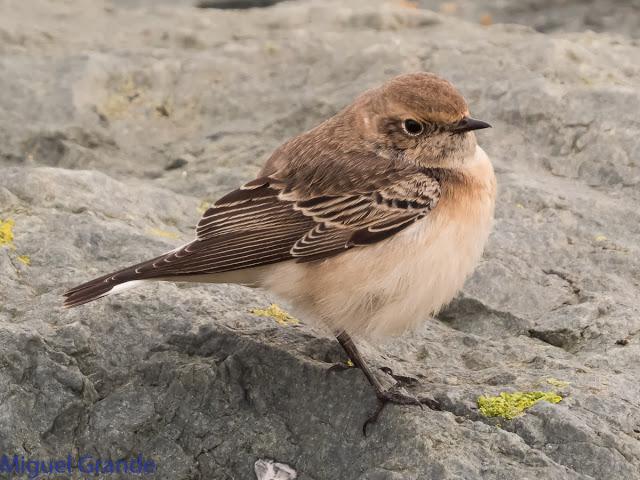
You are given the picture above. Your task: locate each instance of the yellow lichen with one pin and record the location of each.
(6, 239)
(163, 233)
(600, 238)
(276, 313)
(204, 206)
(557, 383)
(271, 48)
(125, 93)
(6, 233)
(510, 405)
(349, 363)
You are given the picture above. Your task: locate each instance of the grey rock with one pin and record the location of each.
(619, 16)
(96, 100)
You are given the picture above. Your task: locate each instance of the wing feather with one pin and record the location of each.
(269, 220)
(266, 221)
(314, 200)
(369, 217)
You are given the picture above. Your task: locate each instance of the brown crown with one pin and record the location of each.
(423, 96)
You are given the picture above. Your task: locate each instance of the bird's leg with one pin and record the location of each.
(352, 351)
(384, 396)
(401, 379)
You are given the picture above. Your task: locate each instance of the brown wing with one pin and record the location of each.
(248, 227)
(268, 221)
(368, 217)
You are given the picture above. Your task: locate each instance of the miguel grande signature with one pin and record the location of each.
(34, 468)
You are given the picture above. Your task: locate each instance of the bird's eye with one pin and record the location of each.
(412, 127)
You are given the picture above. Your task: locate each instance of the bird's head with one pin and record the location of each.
(418, 118)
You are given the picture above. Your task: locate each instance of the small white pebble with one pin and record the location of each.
(270, 470)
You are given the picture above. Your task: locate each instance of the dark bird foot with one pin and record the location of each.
(401, 379)
(339, 367)
(393, 396)
(384, 396)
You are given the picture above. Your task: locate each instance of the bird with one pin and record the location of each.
(366, 224)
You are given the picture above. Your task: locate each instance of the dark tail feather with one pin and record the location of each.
(94, 289)
(102, 286)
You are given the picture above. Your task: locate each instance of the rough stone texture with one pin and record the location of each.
(620, 16)
(117, 121)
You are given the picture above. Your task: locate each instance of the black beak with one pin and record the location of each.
(467, 124)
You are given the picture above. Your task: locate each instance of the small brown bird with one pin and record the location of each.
(367, 223)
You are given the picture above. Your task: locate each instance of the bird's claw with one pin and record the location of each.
(393, 396)
(401, 379)
(339, 367)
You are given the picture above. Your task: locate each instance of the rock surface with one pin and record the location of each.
(119, 121)
(619, 16)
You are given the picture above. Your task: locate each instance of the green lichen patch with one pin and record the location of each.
(276, 313)
(510, 405)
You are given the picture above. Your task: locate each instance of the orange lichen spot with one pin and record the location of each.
(486, 20)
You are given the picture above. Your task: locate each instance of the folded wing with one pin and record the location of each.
(268, 220)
